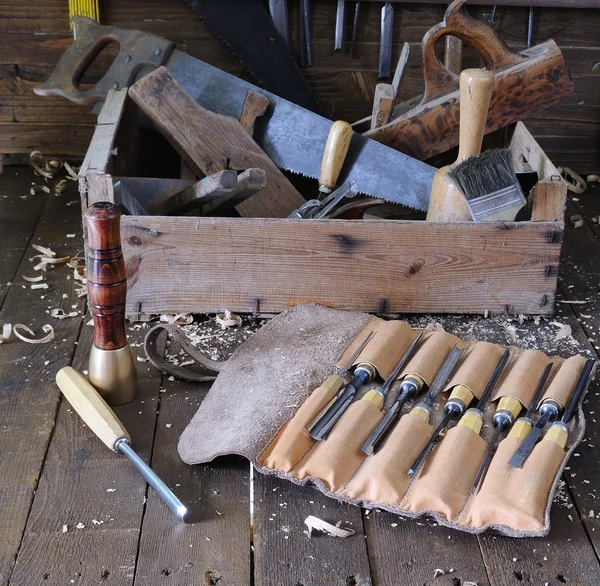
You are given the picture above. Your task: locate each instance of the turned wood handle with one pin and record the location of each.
(91, 407)
(106, 277)
(336, 149)
(458, 23)
(476, 87)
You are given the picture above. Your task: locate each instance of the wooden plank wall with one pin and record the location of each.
(34, 35)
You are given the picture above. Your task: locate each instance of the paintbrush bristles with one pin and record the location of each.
(486, 173)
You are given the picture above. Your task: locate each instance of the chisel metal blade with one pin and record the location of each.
(528, 443)
(385, 43)
(339, 25)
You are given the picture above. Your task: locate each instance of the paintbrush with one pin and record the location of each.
(490, 186)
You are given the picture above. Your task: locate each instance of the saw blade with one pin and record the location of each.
(249, 32)
(294, 138)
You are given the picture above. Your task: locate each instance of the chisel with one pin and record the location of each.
(408, 390)
(549, 411)
(385, 43)
(455, 408)
(339, 25)
(279, 14)
(101, 419)
(364, 373)
(355, 29)
(559, 431)
(306, 51)
(504, 417)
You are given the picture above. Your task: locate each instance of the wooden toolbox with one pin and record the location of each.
(205, 264)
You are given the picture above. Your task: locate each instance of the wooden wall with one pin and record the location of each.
(34, 34)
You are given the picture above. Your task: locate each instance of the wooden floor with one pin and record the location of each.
(72, 512)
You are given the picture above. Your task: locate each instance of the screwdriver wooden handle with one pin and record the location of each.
(91, 407)
(476, 87)
(336, 149)
(106, 276)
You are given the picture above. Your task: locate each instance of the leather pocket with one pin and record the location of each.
(383, 477)
(564, 382)
(336, 459)
(515, 497)
(446, 478)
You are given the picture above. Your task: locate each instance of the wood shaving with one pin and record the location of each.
(435, 327)
(41, 266)
(81, 291)
(315, 524)
(56, 261)
(79, 273)
(563, 332)
(228, 319)
(37, 188)
(572, 302)
(59, 313)
(60, 186)
(577, 221)
(592, 178)
(39, 286)
(47, 329)
(6, 332)
(71, 173)
(438, 572)
(80, 525)
(65, 528)
(180, 319)
(45, 251)
(37, 279)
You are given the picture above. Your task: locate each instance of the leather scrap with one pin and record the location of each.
(204, 368)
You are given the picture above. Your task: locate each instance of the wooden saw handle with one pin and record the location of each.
(458, 23)
(336, 149)
(106, 276)
(91, 407)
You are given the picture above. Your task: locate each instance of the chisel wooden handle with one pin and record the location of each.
(336, 149)
(106, 277)
(476, 87)
(91, 407)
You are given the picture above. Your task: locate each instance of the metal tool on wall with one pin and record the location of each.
(385, 41)
(340, 16)
(306, 49)
(549, 411)
(355, 29)
(408, 390)
(102, 420)
(291, 136)
(455, 408)
(279, 13)
(111, 368)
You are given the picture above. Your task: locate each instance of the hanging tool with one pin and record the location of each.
(559, 431)
(111, 368)
(318, 209)
(409, 390)
(455, 408)
(279, 13)
(504, 417)
(530, 28)
(334, 155)
(447, 203)
(306, 50)
(355, 29)
(339, 25)
(549, 411)
(101, 419)
(364, 373)
(292, 137)
(385, 42)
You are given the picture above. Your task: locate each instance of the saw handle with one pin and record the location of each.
(334, 155)
(106, 276)
(137, 51)
(457, 22)
(91, 407)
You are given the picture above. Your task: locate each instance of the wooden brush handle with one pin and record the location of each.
(336, 149)
(106, 277)
(476, 87)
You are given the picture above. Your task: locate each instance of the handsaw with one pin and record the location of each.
(293, 137)
(249, 32)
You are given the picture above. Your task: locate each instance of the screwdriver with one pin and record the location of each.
(377, 396)
(100, 418)
(364, 373)
(334, 155)
(508, 409)
(559, 431)
(455, 408)
(548, 412)
(408, 390)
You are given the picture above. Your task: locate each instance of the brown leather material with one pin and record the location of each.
(336, 459)
(288, 447)
(476, 367)
(564, 382)
(443, 483)
(516, 497)
(390, 342)
(383, 477)
(430, 355)
(523, 376)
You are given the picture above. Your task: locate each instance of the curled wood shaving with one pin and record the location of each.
(577, 221)
(37, 188)
(45, 251)
(56, 261)
(181, 319)
(41, 266)
(59, 313)
(81, 291)
(37, 279)
(60, 186)
(47, 329)
(315, 524)
(228, 319)
(6, 332)
(80, 273)
(72, 174)
(592, 178)
(563, 332)
(572, 180)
